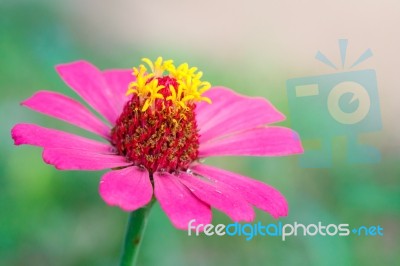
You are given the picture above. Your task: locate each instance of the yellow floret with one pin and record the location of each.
(189, 90)
(159, 66)
(153, 90)
(139, 86)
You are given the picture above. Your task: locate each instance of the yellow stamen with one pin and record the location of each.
(153, 88)
(159, 66)
(189, 90)
(139, 86)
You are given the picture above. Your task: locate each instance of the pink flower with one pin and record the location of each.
(154, 139)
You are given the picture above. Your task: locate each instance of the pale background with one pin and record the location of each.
(49, 217)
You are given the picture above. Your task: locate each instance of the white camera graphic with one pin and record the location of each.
(339, 104)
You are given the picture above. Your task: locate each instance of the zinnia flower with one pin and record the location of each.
(160, 127)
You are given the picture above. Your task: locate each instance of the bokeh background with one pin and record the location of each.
(50, 217)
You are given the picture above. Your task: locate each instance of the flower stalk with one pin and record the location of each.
(134, 235)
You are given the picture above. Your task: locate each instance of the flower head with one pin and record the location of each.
(163, 118)
(157, 128)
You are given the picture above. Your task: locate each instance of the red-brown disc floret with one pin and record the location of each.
(162, 138)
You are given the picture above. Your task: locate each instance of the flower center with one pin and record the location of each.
(157, 128)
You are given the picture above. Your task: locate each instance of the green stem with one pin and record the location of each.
(134, 235)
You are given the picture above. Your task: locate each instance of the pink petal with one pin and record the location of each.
(264, 141)
(220, 197)
(66, 109)
(129, 188)
(180, 205)
(232, 112)
(51, 138)
(118, 80)
(67, 159)
(253, 191)
(88, 82)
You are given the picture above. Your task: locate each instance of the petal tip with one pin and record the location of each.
(128, 188)
(15, 135)
(48, 159)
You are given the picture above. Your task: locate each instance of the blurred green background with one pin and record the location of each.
(50, 217)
